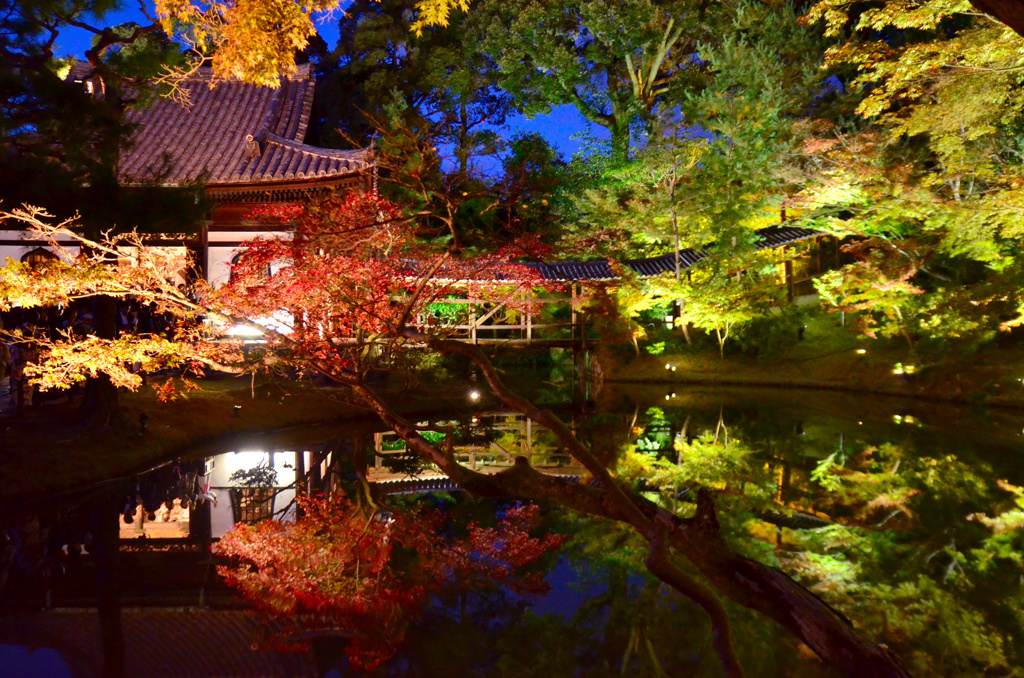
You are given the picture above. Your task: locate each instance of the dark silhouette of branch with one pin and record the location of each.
(1010, 12)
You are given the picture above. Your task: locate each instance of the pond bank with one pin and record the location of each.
(46, 451)
(994, 377)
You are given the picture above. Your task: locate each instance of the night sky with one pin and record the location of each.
(559, 127)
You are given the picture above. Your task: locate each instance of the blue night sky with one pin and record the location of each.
(558, 127)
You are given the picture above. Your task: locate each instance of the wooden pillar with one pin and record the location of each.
(579, 376)
(106, 560)
(204, 251)
(200, 525)
(315, 475)
(472, 319)
(527, 446)
(529, 316)
(300, 472)
(572, 302)
(788, 267)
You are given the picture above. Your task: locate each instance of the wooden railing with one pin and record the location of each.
(480, 320)
(489, 443)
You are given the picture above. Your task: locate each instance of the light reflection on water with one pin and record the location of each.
(801, 426)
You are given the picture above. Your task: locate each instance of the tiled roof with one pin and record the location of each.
(234, 133)
(80, 70)
(159, 643)
(567, 271)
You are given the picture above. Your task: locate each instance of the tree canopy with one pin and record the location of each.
(367, 317)
(894, 126)
(364, 577)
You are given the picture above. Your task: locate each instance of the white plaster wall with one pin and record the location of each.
(222, 247)
(221, 519)
(218, 261)
(16, 252)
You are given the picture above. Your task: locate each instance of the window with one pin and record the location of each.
(237, 257)
(252, 504)
(38, 256)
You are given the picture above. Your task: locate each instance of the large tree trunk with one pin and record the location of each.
(103, 518)
(99, 403)
(620, 143)
(697, 539)
(1010, 12)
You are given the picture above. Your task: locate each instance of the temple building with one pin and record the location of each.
(243, 143)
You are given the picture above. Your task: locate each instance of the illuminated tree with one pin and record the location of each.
(256, 40)
(933, 168)
(613, 61)
(852, 525)
(339, 572)
(348, 299)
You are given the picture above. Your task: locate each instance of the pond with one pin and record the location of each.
(904, 515)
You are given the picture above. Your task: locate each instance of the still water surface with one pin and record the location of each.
(903, 514)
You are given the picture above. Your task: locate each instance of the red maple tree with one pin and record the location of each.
(353, 275)
(348, 294)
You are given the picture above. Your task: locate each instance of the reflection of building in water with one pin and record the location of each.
(272, 478)
(249, 485)
(487, 443)
(164, 523)
(179, 618)
(169, 517)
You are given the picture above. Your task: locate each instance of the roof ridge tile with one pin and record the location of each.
(210, 136)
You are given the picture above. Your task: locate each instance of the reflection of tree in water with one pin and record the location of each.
(612, 618)
(363, 576)
(922, 551)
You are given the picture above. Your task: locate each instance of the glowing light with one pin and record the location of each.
(279, 322)
(862, 351)
(897, 419)
(245, 459)
(667, 366)
(243, 331)
(474, 395)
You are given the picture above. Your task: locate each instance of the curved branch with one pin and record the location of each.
(546, 418)
(420, 285)
(698, 539)
(1009, 12)
(661, 566)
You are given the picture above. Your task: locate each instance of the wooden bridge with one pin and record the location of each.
(487, 443)
(545, 318)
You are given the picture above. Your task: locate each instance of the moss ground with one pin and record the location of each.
(832, 357)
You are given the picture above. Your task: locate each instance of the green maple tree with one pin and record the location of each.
(933, 165)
